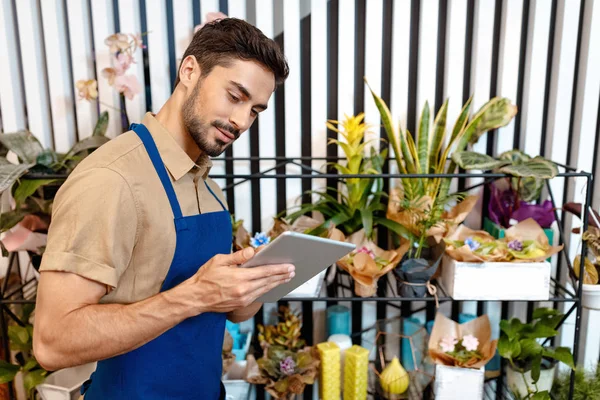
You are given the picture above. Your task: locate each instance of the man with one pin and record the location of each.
(137, 271)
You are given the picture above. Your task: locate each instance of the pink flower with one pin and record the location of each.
(87, 89)
(137, 40)
(447, 343)
(210, 17)
(366, 251)
(128, 85)
(122, 62)
(470, 342)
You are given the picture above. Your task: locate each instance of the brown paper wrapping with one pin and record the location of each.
(465, 254)
(227, 354)
(410, 218)
(531, 230)
(479, 327)
(364, 270)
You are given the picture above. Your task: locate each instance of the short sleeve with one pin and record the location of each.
(93, 228)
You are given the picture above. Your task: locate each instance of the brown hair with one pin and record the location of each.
(220, 41)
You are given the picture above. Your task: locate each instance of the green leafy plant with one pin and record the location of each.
(529, 174)
(587, 385)
(285, 334)
(360, 203)
(520, 346)
(21, 341)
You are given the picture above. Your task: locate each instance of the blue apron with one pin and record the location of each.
(185, 361)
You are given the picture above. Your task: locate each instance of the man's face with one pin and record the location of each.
(225, 103)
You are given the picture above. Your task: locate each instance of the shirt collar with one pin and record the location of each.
(176, 160)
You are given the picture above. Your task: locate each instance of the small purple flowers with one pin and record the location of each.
(473, 244)
(259, 239)
(515, 245)
(287, 366)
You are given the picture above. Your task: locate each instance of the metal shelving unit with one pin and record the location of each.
(339, 290)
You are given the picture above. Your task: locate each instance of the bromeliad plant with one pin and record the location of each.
(511, 197)
(33, 198)
(520, 346)
(360, 203)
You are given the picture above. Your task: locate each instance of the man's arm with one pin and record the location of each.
(71, 328)
(245, 313)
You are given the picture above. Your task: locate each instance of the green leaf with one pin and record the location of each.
(536, 366)
(437, 141)
(543, 395)
(27, 187)
(512, 328)
(101, 124)
(8, 371)
(34, 378)
(496, 113)
(31, 364)
(530, 348)
(562, 354)
(367, 221)
(423, 140)
(11, 218)
(46, 158)
(543, 312)
(509, 349)
(23, 144)
(540, 330)
(471, 160)
(90, 143)
(395, 227)
(19, 335)
(9, 173)
(538, 168)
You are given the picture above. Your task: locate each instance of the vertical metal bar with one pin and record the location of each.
(500, 380)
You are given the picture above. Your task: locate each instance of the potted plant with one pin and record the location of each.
(587, 385)
(512, 198)
(532, 365)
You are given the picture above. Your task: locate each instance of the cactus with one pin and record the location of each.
(286, 333)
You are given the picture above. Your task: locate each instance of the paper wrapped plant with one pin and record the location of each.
(285, 333)
(227, 353)
(524, 242)
(467, 345)
(369, 263)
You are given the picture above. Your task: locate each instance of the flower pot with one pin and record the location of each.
(590, 297)
(65, 383)
(521, 386)
(413, 274)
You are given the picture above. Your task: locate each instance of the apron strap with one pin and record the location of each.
(214, 195)
(159, 166)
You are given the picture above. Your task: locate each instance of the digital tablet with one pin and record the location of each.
(310, 255)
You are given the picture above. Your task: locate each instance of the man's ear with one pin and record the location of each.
(189, 72)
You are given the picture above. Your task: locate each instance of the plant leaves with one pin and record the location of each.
(27, 187)
(512, 328)
(530, 348)
(540, 330)
(33, 378)
(101, 124)
(8, 371)
(23, 144)
(544, 312)
(9, 173)
(30, 364)
(471, 160)
(508, 348)
(437, 141)
(543, 395)
(538, 168)
(562, 354)
(11, 218)
(92, 142)
(423, 140)
(536, 366)
(395, 227)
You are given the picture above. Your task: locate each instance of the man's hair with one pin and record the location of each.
(221, 41)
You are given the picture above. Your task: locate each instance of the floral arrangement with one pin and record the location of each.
(286, 365)
(464, 351)
(524, 242)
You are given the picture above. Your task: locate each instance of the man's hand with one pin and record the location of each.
(221, 286)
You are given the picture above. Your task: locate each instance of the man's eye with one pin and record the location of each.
(234, 98)
(254, 113)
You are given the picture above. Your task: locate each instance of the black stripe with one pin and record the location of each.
(468, 50)
(223, 7)
(413, 65)
(305, 99)
(491, 136)
(197, 12)
(171, 41)
(549, 65)
(441, 55)
(333, 8)
(360, 16)
(596, 149)
(230, 191)
(280, 135)
(45, 72)
(144, 26)
(116, 17)
(255, 183)
(520, 80)
(72, 78)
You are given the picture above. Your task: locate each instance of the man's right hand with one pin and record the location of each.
(221, 286)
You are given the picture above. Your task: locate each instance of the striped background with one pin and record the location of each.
(541, 54)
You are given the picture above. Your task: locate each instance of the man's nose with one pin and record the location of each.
(241, 120)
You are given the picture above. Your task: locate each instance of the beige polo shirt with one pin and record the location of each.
(112, 221)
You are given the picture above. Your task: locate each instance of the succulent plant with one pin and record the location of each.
(286, 333)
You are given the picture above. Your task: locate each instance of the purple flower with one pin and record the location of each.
(287, 366)
(473, 244)
(515, 245)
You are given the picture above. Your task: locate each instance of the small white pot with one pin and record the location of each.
(518, 386)
(65, 383)
(590, 297)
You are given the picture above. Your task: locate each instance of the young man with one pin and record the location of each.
(137, 271)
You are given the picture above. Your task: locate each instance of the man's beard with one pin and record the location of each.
(198, 129)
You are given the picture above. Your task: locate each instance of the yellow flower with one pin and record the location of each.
(87, 89)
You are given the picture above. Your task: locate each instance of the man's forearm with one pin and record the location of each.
(101, 331)
(245, 313)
